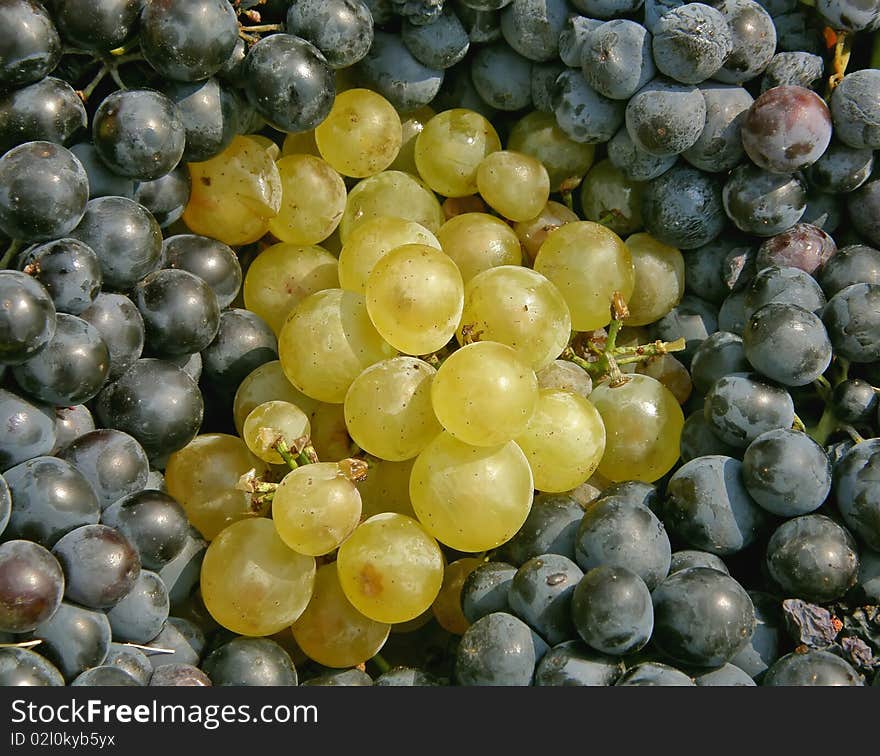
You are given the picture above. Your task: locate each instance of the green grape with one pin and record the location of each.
(518, 307)
(390, 568)
(203, 475)
(477, 242)
(447, 605)
(671, 373)
(315, 508)
(537, 134)
(533, 232)
(251, 583)
(300, 143)
(273, 150)
(234, 195)
(388, 409)
(565, 375)
(270, 421)
(471, 498)
(391, 193)
(451, 147)
(659, 283)
(412, 125)
(330, 437)
(643, 423)
(414, 296)
(361, 135)
(484, 394)
(386, 488)
(264, 384)
(564, 441)
(588, 263)
(514, 184)
(312, 200)
(282, 275)
(371, 241)
(331, 631)
(609, 197)
(327, 341)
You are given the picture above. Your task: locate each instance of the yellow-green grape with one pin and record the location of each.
(643, 423)
(391, 193)
(300, 143)
(267, 144)
(479, 241)
(565, 375)
(410, 626)
(659, 284)
(371, 241)
(564, 441)
(234, 195)
(518, 307)
(610, 197)
(252, 583)
(451, 147)
(390, 568)
(330, 437)
(312, 200)
(203, 475)
(282, 275)
(331, 631)
(414, 296)
(388, 409)
(671, 373)
(484, 394)
(588, 263)
(534, 232)
(361, 135)
(264, 384)
(514, 184)
(326, 343)
(411, 124)
(315, 508)
(471, 498)
(386, 488)
(269, 422)
(447, 605)
(537, 134)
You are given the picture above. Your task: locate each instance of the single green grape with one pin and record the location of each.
(565, 375)
(513, 184)
(330, 437)
(609, 197)
(659, 283)
(477, 242)
(447, 606)
(534, 232)
(412, 124)
(264, 384)
(386, 488)
(270, 421)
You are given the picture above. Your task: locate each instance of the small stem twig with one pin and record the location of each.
(798, 424)
(260, 28)
(824, 428)
(852, 433)
(23, 644)
(380, 663)
(114, 74)
(823, 387)
(84, 94)
(9, 254)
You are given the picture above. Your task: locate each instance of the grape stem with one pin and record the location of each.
(842, 51)
(827, 424)
(262, 28)
(875, 52)
(380, 663)
(9, 254)
(150, 649)
(23, 644)
(84, 94)
(798, 424)
(823, 387)
(126, 48)
(852, 433)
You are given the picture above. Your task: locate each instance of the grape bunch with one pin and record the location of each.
(471, 342)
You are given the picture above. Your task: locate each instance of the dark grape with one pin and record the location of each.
(171, 639)
(440, 44)
(21, 666)
(724, 677)
(47, 110)
(140, 615)
(341, 29)
(812, 667)
(243, 343)
(740, 407)
(719, 145)
(573, 664)
(654, 674)
(74, 639)
(719, 354)
(841, 169)
(179, 675)
(633, 162)
(863, 206)
(857, 493)
(681, 560)
(550, 528)
(165, 197)
(799, 68)
(69, 270)
(102, 181)
(665, 118)
(406, 677)
(691, 42)
(250, 662)
(121, 327)
(540, 594)
(698, 440)
(341, 678)
(532, 27)
(854, 401)
(616, 58)
(502, 77)
(130, 660)
(855, 109)
(762, 650)
(31, 586)
(153, 522)
(803, 246)
(485, 590)
(27, 317)
(99, 25)
(30, 48)
(852, 317)
(211, 260)
(683, 207)
(543, 85)
(498, 649)
(763, 203)
(634, 492)
(582, 113)
(29, 430)
(181, 574)
(783, 286)
(754, 40)
(692, 319)
(573, 37)
(851, 265)
(104, 677)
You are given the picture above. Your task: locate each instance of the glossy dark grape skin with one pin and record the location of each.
(532, 27)
(74, 639)
(540, 595)
(754, 40)
(857, 493)
(121, 326)
(410, 677)
(153, 522)
(99, 25)
(550, 528)
(29, 430)
(21, 666)
(130, 660)
(783, 285)
(126, 238)
(702, 617)
(243, 343)
(740, 407)
(731, 314)
(102, 181)
(139, 133)
(854, 401)
(618, 532)
(855, 108)
(192, 632)
(179, 675)
(209, 112)
(682, 560)
(483, 25)
(440, 44)
(665, 117)
(485, 590)
(27, 317)
(584, 114)
(171, 639)
(188, 40)
(47, 110)
(655, 674)
(30, 48)
(814, 667)
(698, 440)
(719, 145)
(573, 664)
(212, 261)
(803, 246)
(31, 586)
(851, 265)
(763, 648)
(340, 678)
(250, 662)
(71, 369)
(104, 677)
(634, 492)
(725, 676)
(289, 103)
(812, 557)
(502, 77)
(181, 574)
(140, 615)
(341, 29)
(763, 203)
(43, 191)
(863, 206)
(691, 42)
(708, 507)
(800, 68)
(719, 354)
(498, 649)
(786, 472)
(162, 422)
(51, 498)
(852, 317)
(68, 269)
(633, 161)
(841, 168)
(543, 84)
(787, 129)
(825, 211)
(616, 58)
(165, 197)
